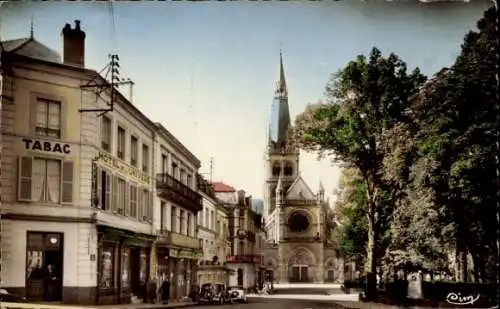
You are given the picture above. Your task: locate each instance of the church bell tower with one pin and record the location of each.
(282, 157)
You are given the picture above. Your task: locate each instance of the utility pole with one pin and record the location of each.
(211, 169)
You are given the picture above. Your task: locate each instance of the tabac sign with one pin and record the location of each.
(121, 167)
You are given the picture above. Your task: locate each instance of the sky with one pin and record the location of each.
(207, 70)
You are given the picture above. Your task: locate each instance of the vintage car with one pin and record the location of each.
(213, 293)
(237, 294)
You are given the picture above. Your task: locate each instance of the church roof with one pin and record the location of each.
(300, 190)
(222, 187)
(280, 114)
(30, 47)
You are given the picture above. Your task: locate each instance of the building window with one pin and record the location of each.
(173, 219)
(242, 248)
(207, 219)
(188, 224)
(120, 149)
(163, 212)
(48, 118)
(106, 266)
(212, 220)
(189, 181)
(182, 222)
(133, 201)
(182, 176)
(45, 180)
(121, 197)
(106, 133)
(174, 170)
(134, 150)
(104, 180)
(145, 158)
(164, 164)
(144, 206)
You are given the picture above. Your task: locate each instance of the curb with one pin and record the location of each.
(6, 305)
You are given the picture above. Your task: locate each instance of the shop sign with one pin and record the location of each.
(46, 146)
(173, 253)
(123, 167)
(244, 258)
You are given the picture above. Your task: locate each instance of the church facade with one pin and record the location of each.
(297, 220)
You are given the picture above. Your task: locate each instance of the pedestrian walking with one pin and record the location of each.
(165, 292)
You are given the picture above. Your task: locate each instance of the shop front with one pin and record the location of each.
(123, 265)
(212, 272)
(179, 266)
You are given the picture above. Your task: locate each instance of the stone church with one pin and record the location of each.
(298, 221)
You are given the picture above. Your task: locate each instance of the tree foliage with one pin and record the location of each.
(421, 157)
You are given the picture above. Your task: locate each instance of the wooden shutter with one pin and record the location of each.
(25, 178)
(114, 194)
(67, 182)
(140, 204)
(127, 199)
(107, 190)
(100, 194)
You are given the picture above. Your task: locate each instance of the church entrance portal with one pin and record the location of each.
(299, 273)
(300, 262)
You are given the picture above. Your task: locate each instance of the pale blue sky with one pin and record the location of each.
(207, 70)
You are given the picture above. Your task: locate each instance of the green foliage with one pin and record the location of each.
(423, 156)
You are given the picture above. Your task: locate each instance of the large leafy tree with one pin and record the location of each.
(457, 125)
(363, 100)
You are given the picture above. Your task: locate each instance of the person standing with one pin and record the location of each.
(165, 291)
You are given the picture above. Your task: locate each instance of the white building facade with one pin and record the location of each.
(83, 195)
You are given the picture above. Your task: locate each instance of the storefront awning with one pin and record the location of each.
(129, 237)
(185, 254)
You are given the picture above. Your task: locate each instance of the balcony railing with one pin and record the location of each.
(177, 192)
(242, 258)
(178, 240)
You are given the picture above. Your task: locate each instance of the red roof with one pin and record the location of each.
(222, 187)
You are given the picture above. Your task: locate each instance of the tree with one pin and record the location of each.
(363, 100)
(352, 234)
(457, 126)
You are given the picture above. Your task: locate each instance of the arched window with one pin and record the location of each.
(288, 170)
(276, 169)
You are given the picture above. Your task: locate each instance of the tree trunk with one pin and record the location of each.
(372, 254)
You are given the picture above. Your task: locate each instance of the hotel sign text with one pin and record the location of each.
(45, 146)
(122, 167)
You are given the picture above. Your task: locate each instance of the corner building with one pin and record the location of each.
(299, 246)
(79, 215)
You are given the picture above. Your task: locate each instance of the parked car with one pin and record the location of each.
(213, 293)
(237, 294)
(5, 296)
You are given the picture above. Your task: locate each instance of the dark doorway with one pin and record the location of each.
(299, 274)
(135, 272)
(44, 266)
(240, 277)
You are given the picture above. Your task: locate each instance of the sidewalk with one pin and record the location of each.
(6, 305)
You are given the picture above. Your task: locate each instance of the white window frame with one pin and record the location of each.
(121, 142)
(105, 136)
(27, 178)
(44, 131)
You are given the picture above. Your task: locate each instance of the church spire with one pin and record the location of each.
(280, 115)
(31, 28)
(281, 89)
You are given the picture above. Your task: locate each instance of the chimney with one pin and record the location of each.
(73, 45)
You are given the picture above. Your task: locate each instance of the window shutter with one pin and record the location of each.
(25, 170)
(150, 206)
(67, 182)
(140, 204)
(107, 191)
(114, 193)
(100, 195)
(127, 199)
